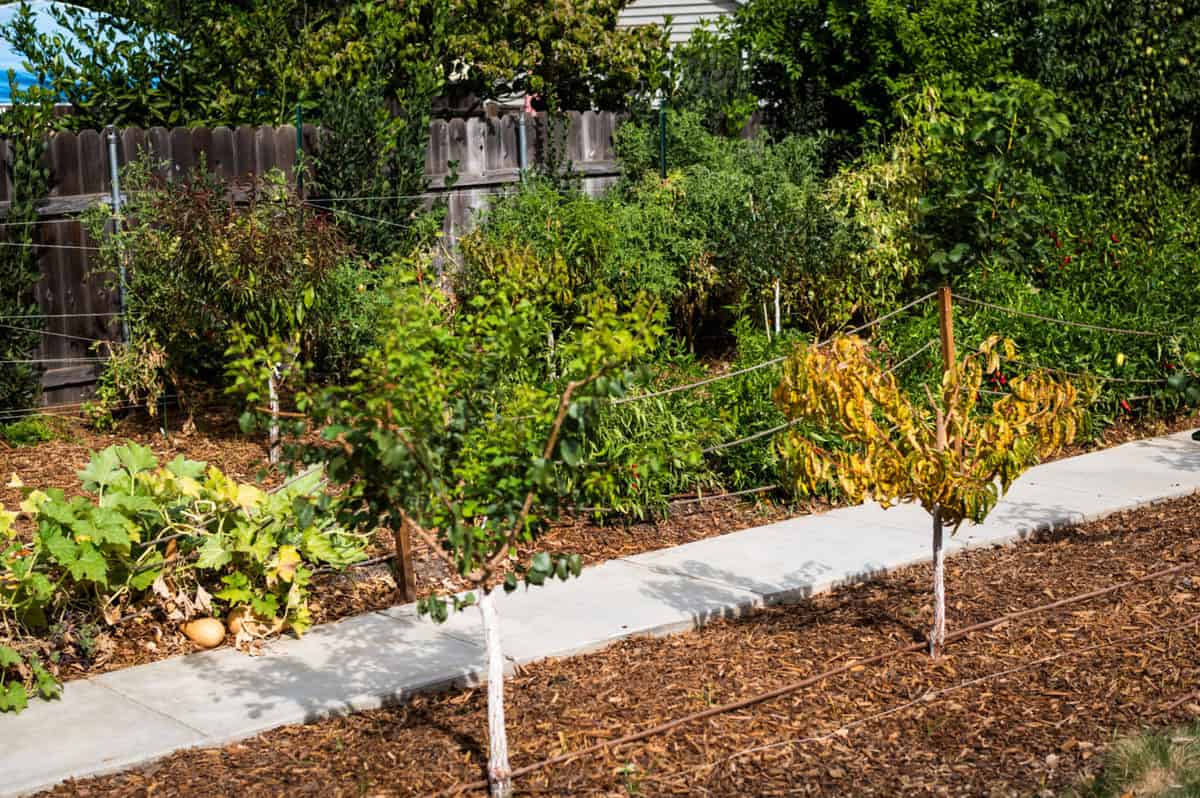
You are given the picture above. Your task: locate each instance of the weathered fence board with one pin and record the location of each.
(81, 303)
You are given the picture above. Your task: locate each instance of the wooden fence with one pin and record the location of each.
(81, 307)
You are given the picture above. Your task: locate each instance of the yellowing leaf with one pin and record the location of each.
(249, 496)
(32, 502)
(288, 559)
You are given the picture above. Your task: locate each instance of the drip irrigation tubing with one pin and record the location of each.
(1052, 320)
(773, 361)
(932, 695)
(793, 687)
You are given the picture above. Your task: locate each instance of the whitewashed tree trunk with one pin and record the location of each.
(499, 772)
(766, 320)
(550, 355)
(777, 308)
(937, 635)
(274, 447)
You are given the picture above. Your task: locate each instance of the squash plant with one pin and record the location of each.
(951, 455)
(455, 431)
(183, 536)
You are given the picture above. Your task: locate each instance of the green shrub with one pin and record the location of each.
(30, 431)
(201, 267)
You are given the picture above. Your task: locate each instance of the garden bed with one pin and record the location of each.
(88, 647)
(1023, 708)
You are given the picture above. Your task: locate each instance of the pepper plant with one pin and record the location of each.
(455, 432)
(953, 455)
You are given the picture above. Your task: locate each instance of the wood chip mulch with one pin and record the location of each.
(1023, 709)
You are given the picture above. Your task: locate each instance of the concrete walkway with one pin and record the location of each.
(133, 716)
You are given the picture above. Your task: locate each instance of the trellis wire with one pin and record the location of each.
(51, 333)
(928, 345)
(359, 216)
(680, 502)
(1052, 320)
(773, 361)
(1084, 375)
(74, 408)
(48, 246)
(764, 433)
(16, 361)
(426, 195)
(66, 220)
(114, 313)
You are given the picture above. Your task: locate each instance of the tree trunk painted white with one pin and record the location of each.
(550, 355)
(777, 308)
(766, 320)
(499, 772)
(937, 635)
(273, 434)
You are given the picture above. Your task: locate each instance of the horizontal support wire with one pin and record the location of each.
(67, 410)
(358, 216)
(680, 502)
(105, 314)
(52, 333)
(33, 245)
(928, 345)
(764, 433)
(773, 361)
(66, 220)
(54, 360)
(426, 195)
(1082, 374)
(1052, 320)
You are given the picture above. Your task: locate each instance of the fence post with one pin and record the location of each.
(299, 152)
(114, 171)
(946, 325)
(402, 565)
(522, 154)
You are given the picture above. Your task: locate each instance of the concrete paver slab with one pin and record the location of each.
(353, 665)
(89, 731)
(794, 559)
(608, 602)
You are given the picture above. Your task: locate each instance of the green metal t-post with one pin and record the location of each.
(662, 140)
(299, 151)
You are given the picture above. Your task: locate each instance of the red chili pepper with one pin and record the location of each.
(1067, 260)
(1114, 238)
(1126, 407)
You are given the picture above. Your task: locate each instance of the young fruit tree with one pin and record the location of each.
(454, 431)
(951, 454)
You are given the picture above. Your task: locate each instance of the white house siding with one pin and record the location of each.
(687, 15)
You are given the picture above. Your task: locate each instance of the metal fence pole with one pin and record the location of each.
(115, 172)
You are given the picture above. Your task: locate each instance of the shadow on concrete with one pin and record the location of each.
(353, 665)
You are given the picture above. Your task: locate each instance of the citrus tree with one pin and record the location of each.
(952, 454)
(457, 432)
